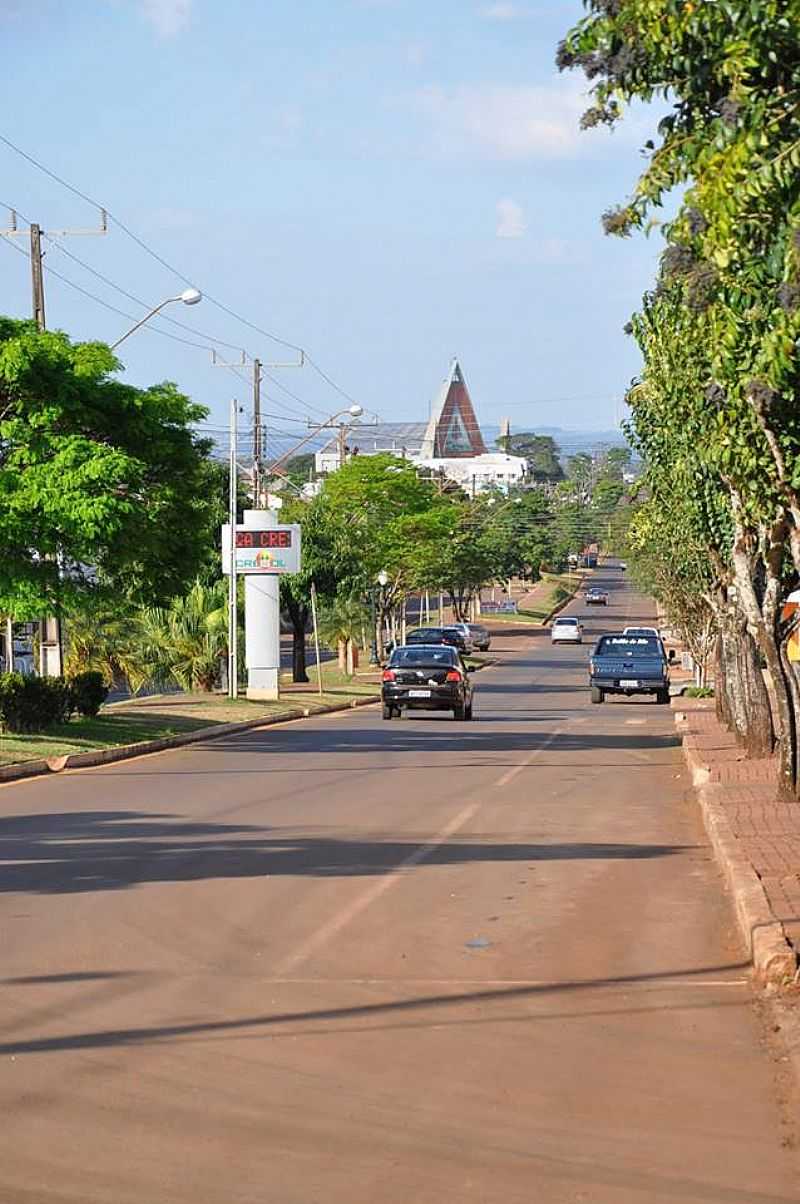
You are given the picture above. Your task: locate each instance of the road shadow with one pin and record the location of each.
(253, 1024)
(426, 733)
(483, 688)
(90, 851)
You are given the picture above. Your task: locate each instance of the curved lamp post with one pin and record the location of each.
(354, 411)
(382, 582)
(189, 296)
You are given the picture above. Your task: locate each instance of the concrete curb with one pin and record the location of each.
(123, 752)
(774, 960)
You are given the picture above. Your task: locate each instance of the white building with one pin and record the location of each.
(478, 474)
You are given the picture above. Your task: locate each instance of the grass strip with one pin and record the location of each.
(141, 720)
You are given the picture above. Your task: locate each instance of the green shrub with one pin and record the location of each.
(89, 691)
(32, 704)
(698, 692)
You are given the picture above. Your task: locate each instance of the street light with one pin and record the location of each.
(355, 411)
(383, 581)
(189, 296)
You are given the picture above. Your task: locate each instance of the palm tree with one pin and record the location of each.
(341, 626)
(185, 642)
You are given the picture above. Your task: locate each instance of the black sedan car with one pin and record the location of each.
(439, 635)
(427, 677)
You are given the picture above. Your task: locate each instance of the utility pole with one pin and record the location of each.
(233, 632)
(257, 440)
(50, 630)
(258, 430)
(37, 275)
(48, 627)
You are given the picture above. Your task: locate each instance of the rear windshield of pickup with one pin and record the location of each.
(629, 646)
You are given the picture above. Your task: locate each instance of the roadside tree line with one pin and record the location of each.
(111, 504)
(714, 413)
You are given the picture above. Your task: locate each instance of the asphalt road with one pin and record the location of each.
(357, 962)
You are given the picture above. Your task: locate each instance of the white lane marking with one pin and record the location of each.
(344, 917)
(509, 776)
(666, 984)
(635, 722)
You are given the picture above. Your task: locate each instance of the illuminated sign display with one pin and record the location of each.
(264, 539)
(273, 550)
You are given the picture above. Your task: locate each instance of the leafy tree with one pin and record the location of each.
(541, 452)
(387, 519)
(731, 268)
(517, 534)
(102, 485)
(216, 488)
(300, 468)
(571, 529)
(326, 562)
(616, 461)
(580, 471)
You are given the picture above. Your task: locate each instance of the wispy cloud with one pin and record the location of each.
(504, 11)
(510, 219)
(506, 121)
(168, 17)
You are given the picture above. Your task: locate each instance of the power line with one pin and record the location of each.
(130, 317)
(170, 267)
(107, 304)
(212, 339)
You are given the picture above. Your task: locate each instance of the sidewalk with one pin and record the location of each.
(756, 837)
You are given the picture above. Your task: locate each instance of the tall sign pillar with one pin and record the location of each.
(265, 551)
(262, 620)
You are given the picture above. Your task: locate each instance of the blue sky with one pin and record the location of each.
(384, 182)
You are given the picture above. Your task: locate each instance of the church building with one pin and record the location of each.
(451, 432)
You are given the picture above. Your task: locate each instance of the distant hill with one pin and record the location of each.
(569, 442)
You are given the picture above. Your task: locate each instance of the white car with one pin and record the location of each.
(566, 630)
(642, 631)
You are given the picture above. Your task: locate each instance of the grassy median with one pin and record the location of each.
(542, 600)
(141, 719)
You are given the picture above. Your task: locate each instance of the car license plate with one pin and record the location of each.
(419, 693)
(628, 685)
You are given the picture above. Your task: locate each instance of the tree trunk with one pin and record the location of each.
(298, 616)
(341, 652)
(765, 632)
(721, 688)
(299, 672)
(742, 697)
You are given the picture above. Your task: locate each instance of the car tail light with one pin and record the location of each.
(454, 675)
(389, 675)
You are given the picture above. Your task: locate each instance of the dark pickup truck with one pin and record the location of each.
(629, 664)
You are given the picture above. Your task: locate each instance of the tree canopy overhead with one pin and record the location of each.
(715, 411)
(103, 486)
